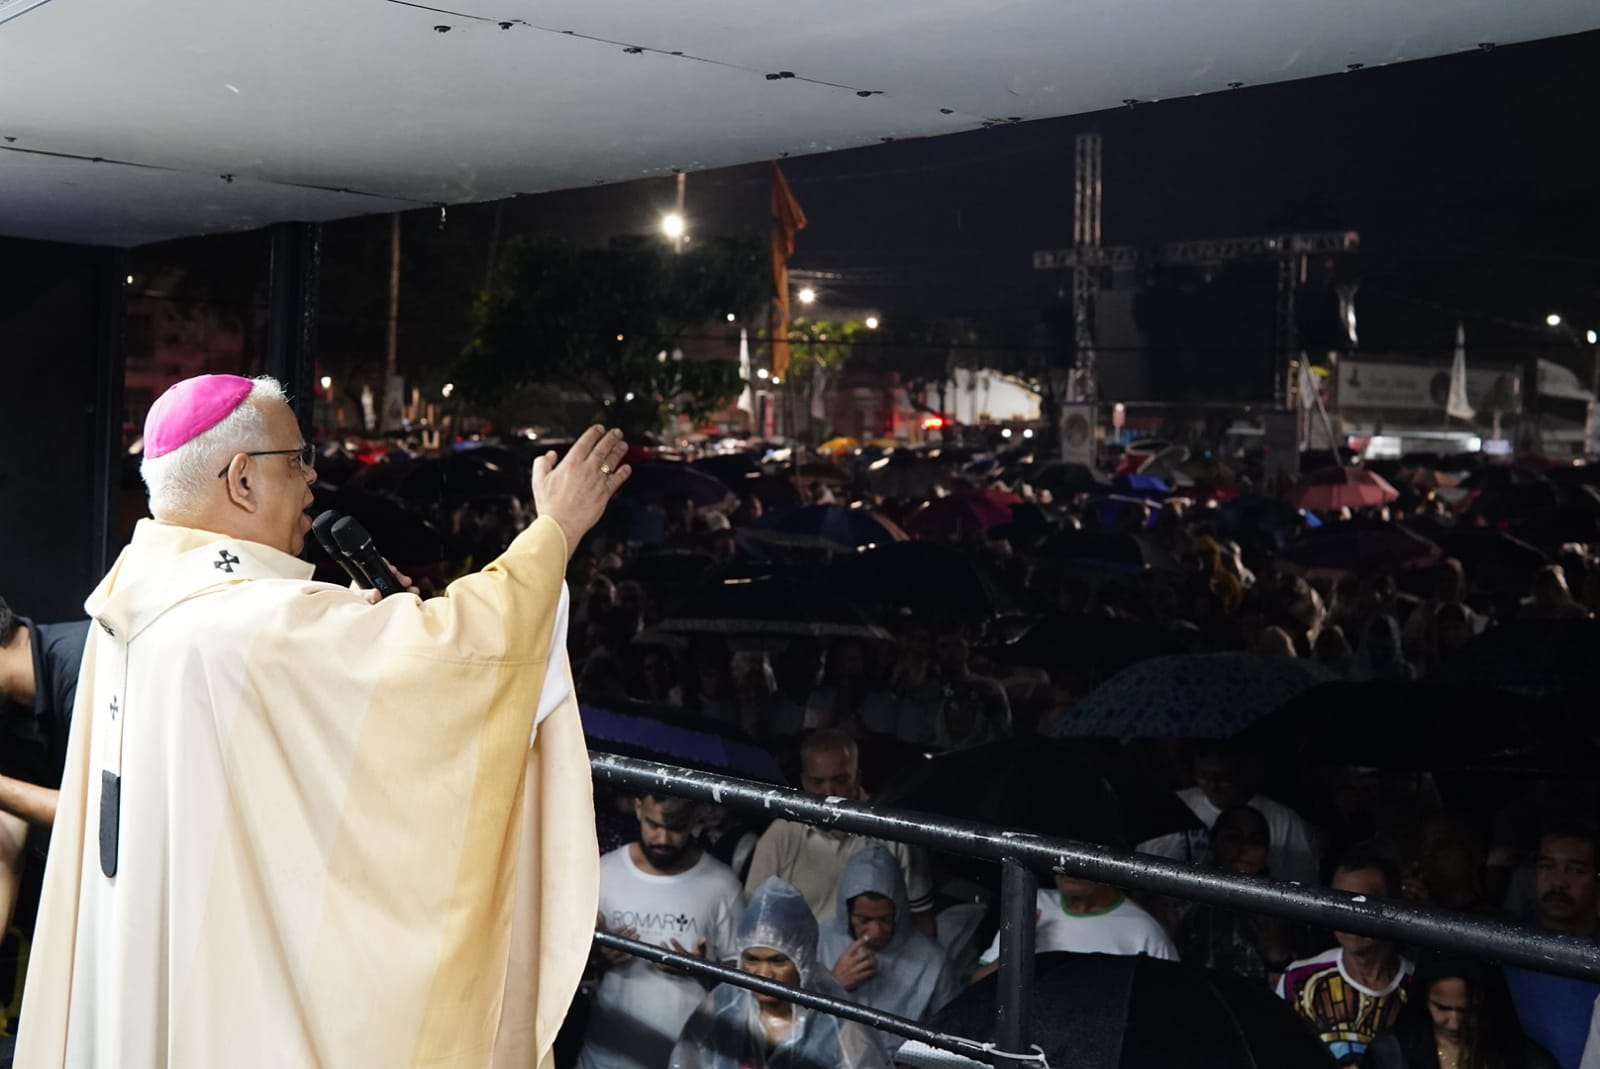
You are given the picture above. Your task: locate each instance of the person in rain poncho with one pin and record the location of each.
(874, 950)
(300, 826)
(739, 1029)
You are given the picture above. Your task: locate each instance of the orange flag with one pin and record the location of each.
(787, 220)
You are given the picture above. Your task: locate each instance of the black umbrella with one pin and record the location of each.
(1358, 546)
(1398, 724)
(729, 467)
(1530, 657)
(658, 482)
(1110, 549)
(1076, 789)
(768, 606)
(921, 576)
(1105, 1011)
(456, 477)
(1493, 560)
(1066, 479)
(1095, 645)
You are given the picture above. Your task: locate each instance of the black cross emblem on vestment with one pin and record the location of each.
(226, 563)
(113, 708)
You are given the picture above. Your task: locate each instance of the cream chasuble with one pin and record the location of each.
(335, 845)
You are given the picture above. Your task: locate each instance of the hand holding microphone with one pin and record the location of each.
(348, 543)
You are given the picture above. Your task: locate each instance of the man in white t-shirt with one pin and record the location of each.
(1087, 918)
(1351, 993)
(666, 891)
(1226, 777)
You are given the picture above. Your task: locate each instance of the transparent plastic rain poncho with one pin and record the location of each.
(914, 976)
(726, 1032)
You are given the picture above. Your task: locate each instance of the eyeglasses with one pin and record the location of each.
(305, 454)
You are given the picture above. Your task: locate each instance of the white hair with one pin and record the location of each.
(181, 481)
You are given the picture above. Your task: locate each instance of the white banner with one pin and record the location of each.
(1423, 387)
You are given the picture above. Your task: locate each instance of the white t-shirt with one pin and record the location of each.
(1122, 929)
(1291, 856)
(639, 1010)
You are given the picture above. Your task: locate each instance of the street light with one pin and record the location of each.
(872, 322)
(1553, 320)
(1591, 337)
(327, 383)
(808, 295)
(672, 225)
(449, 388)
(731, 317)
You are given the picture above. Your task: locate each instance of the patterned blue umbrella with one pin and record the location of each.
(852, 528)
(1193, 696)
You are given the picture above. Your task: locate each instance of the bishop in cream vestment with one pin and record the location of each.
(344, 835)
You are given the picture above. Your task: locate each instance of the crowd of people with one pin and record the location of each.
(845, 712)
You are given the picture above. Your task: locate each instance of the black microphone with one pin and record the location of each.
(322, 527)
(356, 543)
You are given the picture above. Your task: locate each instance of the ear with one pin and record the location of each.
(239, 493)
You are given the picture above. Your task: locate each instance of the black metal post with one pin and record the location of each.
(110, 368)
(1018, 898)
(1401, 921)
(294, 275)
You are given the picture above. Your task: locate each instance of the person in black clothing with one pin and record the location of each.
(38, 682)
(1460, 1016)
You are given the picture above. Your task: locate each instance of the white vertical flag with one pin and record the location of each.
(747, 399)
(1457, 404)
(819, 393)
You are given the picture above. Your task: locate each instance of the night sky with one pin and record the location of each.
(1473, 180)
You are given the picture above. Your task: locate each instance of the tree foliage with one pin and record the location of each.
(599, 320)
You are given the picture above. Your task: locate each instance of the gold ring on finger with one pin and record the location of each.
(605, 469)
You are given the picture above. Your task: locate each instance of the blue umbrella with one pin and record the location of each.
(1141, 485)
(852, 528)
(1196, 696)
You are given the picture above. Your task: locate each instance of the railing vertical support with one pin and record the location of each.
(1018, 898)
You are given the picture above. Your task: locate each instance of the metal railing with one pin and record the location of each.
(1021, 854)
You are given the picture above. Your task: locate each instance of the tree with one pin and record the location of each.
(606, 322)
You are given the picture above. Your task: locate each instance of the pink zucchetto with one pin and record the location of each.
(190, 408)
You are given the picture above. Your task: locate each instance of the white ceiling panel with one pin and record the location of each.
(320, 109)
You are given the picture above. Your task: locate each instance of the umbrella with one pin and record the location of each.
(729, 467)
(1349, 548)
(1530, 657)
(1112, 509)
(1099, 646)
(768, 606)
(1251, 513)
(1105, 549)
(1201, 695)
(1070, 788)
(925, 577)
(819, 472)
(673, 569)
(1140, 484)
(838, 445)
(706, 745)
(1493, 560)
(1396, 724)
(957, 516)
(657, 482)
(902, 473)
(1331, 489)
(1065, 479)
(1128, 1011)
(852, 528)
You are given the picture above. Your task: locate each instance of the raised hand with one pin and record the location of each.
(575, 491)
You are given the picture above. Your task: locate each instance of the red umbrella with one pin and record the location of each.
(1331, 489)
(948, 517)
